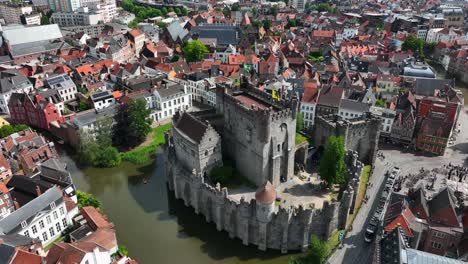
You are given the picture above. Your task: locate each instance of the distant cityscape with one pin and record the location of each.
(332, 128)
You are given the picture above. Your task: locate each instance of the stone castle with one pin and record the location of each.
(259, 135)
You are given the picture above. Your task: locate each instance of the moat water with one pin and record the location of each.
(153, 225)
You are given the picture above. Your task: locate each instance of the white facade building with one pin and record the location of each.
(83, 18)
(170, 98)
(64, 85)
(202, 88)
(102, 100)
(308, 111)
(387, 116)
(350, 109)
(14, 84)
(44, 218)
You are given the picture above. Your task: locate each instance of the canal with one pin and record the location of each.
(154, 226)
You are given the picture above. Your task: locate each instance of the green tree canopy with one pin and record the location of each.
(194, 51)
(86, 199)
(7, 130)
(132, 124)
(414, 44)
(274, 10)
(235, 7)
(300, 122)
(332, 165)
(380, 103)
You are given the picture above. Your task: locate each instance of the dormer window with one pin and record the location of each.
(52, 205)
(23, 224)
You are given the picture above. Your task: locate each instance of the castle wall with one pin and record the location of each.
(361, 134)
(201, 156)
(261, 141)
(284, 229)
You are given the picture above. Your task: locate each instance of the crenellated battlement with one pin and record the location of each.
(239, 217)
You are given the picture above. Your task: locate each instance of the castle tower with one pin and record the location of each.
(265, 206)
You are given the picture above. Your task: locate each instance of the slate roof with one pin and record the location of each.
(331, 96)
(442, 200)
(354, 106)
(177, 31)
(23, 35)
(55, 171)
(191, 127)
(170, 90)
(89, 117)
(427, 87)
(223, 33)
(14, 83)
(9, 242)
(28, 211)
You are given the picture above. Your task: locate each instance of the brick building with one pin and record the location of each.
(34, 111)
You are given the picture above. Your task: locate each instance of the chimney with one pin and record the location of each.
(38, 191)
(17, 205)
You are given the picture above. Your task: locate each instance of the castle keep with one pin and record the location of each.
(258, 133)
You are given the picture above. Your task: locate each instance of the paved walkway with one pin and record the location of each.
(355, 250)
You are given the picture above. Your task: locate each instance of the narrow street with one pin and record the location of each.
(355, 250)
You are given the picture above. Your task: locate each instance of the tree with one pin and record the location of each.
(133, 23)
(7, 130)
(235, 7)
(380, 103)
(274, 10)
(317, 253)
(324, 7)
(86, 199)
(300, 121)
(318, 250)
(414, 44)
(221, 174)
(107, 157)
(315, 56)
(254, 11)
(103, 131)
(132, 124)
(332, 165)
(45, 20)
(194, 51)
(267, 24)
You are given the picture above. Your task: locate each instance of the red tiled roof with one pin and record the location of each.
(323, 33)
(310, 92)
(94, 218)
(24, 257)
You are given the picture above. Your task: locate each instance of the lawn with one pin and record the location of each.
(300, 139)
(58, 239)
(142, 154)
(362, 192)
(334, 241)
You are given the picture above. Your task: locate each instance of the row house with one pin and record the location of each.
(12, 84)
(405, 120)
(431, 225)
(169, 98)
(446, 35)
(309, 103)
(6, 202)
(64, 85)
(388, 117)
(44, 218)
(34, 111)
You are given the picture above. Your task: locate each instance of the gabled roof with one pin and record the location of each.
(28, 211)
(442, 205)
(191, 127)
(331, 96)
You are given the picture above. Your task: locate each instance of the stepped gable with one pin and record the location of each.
(266, 194)
(191, 127)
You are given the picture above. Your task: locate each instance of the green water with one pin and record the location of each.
(154, 226)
